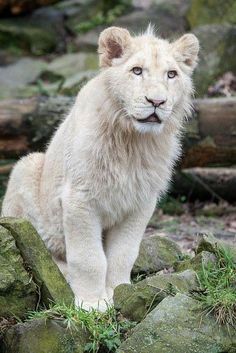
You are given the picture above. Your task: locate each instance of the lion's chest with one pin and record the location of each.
(118, 185)
(125, 193)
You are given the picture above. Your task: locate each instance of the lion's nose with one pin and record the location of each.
(156, 102)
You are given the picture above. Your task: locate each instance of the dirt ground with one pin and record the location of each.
(195, 218)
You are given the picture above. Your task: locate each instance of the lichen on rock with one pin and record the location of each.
(204, 258)
(18, 293)
(178, 325)
(156, 253)
(207, 242)
(40, 336)
(135, 301)
(50, 281)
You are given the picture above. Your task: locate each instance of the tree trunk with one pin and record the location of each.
(210, 139)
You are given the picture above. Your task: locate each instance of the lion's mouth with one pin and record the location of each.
(153, 118)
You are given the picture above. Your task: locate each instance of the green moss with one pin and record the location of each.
(211, 11)
(171, 206)
(155, 254)
(217, 54)
(135, 301)
(177, 325)
(196, 263)
(45, 272)
(19, 37)
(101, 13)
(17, 290)
(43, 336)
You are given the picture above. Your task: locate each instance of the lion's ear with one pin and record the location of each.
(112, 43)
(186, 50)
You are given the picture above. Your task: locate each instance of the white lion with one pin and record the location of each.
(93, 191)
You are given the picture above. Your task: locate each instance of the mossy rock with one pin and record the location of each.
(50, 281)
(70, 64)
(161, 14)
(207, 242)
(211, 11)
(135, 301)
(16, 79)
(178, 325)
(40, 336)
(94, 13)
(217, 54)
(204, 258)
(156, 253)
(18, 293)
(73, 84)
(19, 37)
(68, 73)
(41, 33)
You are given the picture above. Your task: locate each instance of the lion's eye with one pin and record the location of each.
(137, 70)
(172, 73)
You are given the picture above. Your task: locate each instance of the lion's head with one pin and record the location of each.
(149, 77)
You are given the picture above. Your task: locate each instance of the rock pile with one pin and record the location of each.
(160, 299)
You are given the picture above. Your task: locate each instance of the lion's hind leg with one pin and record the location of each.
(22, 195)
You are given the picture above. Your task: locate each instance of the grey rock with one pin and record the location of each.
(135, 301)
(217, 54)
(204, 258)
(36, 35)
(211, 11)
(156, 253)
(14, 78)
(178, 325)
(207, 242)
(70, 64)
(72, 85)
(161, 14)
(40, 336)
(68, 73)
(89, 41)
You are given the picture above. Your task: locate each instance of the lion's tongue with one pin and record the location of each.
(153, 119)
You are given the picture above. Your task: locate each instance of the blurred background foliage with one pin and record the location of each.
(49, 36)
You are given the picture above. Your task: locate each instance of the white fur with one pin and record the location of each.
(90, 196)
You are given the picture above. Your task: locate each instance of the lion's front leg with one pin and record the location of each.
(122, 247)
(86, 259)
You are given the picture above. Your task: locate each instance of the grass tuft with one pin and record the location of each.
(218, 287)
(106, 330)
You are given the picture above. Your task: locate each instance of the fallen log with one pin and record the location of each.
(211, 136)
(217, 184)
(27, 125)
(210, 140)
